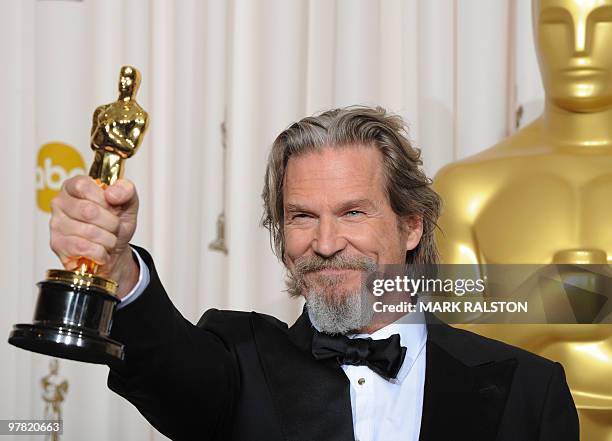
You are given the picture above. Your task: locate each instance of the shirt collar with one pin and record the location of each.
(413, 336)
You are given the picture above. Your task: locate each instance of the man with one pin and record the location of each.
(343, 193)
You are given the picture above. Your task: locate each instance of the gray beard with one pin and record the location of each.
(339, 315)
(331, 308)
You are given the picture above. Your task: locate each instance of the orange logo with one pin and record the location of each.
(56, 162)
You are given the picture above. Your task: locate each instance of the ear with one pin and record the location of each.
(412, 231)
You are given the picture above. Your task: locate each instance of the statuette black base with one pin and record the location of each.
(72, 322)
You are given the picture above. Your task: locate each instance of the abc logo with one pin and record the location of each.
(55, 163)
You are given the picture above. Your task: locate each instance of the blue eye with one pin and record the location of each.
(354, 213)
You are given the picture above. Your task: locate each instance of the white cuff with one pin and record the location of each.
(143, 281)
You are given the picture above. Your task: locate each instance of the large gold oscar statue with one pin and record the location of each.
(544, 195)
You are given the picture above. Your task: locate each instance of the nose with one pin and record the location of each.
(328, 239)
(580, 35)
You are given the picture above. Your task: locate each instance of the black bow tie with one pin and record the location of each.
(385, 357)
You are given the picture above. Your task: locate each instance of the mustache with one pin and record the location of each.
(309, 264)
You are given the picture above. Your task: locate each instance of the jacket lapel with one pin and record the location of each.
(312, 398)
(464, 398)
(465, 394)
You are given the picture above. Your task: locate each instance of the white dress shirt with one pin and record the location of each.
(390, 410)
(383, 410)
(144, 278)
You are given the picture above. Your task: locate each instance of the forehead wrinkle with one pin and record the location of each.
(329, 185)
(337, 168)
(329, 174)
(334, 190)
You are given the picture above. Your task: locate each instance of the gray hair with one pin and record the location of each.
(408, 189)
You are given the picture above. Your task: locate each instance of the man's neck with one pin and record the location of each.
(380, 322)
(574, 129)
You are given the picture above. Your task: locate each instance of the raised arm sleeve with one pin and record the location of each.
(182, 378)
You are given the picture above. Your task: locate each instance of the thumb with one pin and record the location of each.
(122, 192)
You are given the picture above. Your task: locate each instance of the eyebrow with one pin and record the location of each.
(354, 203)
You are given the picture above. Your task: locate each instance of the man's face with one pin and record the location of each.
(337, 215)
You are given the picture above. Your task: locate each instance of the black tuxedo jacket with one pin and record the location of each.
(248, 376)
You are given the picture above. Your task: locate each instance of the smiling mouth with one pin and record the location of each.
(332, 271)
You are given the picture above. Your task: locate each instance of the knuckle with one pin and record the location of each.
(81, 246)
(113, 241)
(79, 185)
(130, 187)
(65, 188)
(90, 231)
(55, 243)
(98, 253)
(81, 178)
(88, 210)
(85, 248)
(58, 203)
(53, 224)
(70, 184)
(55, 204)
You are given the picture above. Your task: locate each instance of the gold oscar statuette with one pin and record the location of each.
(74, 311)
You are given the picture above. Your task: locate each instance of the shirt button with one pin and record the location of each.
(361, 381)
